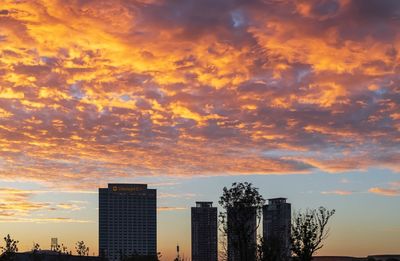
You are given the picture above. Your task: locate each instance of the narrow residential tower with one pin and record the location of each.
(204, 232)
(276, 225)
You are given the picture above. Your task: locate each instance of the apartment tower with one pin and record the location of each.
(276, 225)
(204, 232)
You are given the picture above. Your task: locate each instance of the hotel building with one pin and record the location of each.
(127, 221)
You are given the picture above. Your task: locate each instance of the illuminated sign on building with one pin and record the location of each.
(116, 188)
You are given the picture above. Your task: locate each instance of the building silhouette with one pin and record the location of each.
(242, 233)
(48, 255)
(127, 221)
(276, 225)
(204, 232)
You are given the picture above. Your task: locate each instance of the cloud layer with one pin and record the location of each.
(91, 90)
(16, 205)
(392, 191)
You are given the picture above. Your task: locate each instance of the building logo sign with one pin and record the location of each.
(127, 189)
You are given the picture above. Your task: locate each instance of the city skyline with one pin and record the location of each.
(80, 231)
(299, 97)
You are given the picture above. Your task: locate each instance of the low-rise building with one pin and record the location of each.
(49, 255)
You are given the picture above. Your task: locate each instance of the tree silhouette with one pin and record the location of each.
(10, 248)
(81, 248)
(271, 250)
(35, 255)
(243, 205)
(57, 249)
(308, 232)
(62, 249)
(223, 247)
(36, 247)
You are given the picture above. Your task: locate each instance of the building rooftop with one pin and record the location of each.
(204, 204)
(273, 201)
(49, 255)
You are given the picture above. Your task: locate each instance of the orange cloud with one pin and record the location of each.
(170, 208)
(15, 202)
(392, 191)
(42, 220)
(172, 195)
(17, 205)
(337, 192)
(69, 206)
(385, 191)
(89, 88)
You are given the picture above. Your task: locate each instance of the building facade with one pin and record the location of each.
(127, 221)
(204, 232)
(242, 234)
(277, 224)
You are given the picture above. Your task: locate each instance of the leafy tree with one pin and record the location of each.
(10, 248)
(35, 255)
(57, 249)
(36, 247)
(271, 250)
(223, 248)
(81, 248)
(309, 230)
(62, 249)
(243, 204)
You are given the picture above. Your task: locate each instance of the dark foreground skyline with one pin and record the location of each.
(181, 222)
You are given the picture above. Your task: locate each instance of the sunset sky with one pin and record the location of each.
(299, 97)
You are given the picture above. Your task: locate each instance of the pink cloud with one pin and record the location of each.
(385, 191)
(345, 181)
(211, 93)
(174, 195)
(337, 192)
(392, 191)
